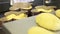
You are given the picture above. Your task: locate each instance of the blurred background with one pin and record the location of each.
(5, 4)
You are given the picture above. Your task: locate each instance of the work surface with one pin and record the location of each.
(20, 26)
(2, 32)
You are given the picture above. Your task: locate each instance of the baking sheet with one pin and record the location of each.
(19, 26)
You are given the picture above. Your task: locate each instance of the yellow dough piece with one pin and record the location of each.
(27, 8)
(48, 21)
(35, 10)
(39, 7)
(58, 13)
(10, 12)
(48, 11)
(11, 16)
(39, 30)
(50, 8)
(45, 8)
(14, 6)
(20, 16)
(3, 19)
(42, 10)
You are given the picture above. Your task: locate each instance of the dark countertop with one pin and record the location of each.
(2, 32)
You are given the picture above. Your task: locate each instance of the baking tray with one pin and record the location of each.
(20, 26)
